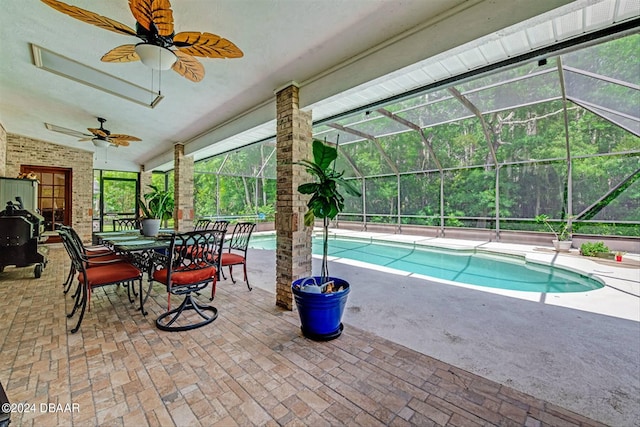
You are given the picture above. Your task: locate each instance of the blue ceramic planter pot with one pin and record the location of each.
(321, 314)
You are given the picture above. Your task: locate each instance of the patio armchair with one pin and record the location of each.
(191, 264)
(97, 253)
(236, 253)
(94, 273)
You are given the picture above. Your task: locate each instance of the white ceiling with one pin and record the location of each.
(327, 46)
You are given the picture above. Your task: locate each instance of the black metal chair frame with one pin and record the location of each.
(123, 224)
(189, 254)
(99, 250)
(64, 233)
(202, 224)
(70, 238)
(220, 224)
(80, 264)
(91, 256)
(238, 244)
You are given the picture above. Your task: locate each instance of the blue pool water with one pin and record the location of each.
(458, 266)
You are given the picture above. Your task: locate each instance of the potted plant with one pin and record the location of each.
(158, 207)
(321, 299)
(595, 249)
(562, 242)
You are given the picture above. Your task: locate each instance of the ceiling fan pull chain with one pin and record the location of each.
(152, 86)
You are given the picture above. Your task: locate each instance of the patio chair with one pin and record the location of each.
(89, 251)
(123, 224)
(93, 256)
(191, 264)
(237, 251)
(220, 224)
(98, 253)
(202, 224)
(93, 274)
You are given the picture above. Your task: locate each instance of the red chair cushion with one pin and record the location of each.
(231, 259)
(112, 273)
(186, 277)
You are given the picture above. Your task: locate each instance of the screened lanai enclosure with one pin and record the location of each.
(556, 136)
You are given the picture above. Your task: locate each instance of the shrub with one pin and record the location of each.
(592, 248)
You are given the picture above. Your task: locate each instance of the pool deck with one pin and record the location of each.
(620, 279)
(577, 350)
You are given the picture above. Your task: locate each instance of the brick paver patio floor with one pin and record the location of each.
(250, 367)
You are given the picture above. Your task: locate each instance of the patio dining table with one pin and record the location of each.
(140, 250)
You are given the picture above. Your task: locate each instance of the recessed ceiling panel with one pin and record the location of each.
(65, 67)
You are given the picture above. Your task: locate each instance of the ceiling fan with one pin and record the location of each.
(100, 137)
(161, 48)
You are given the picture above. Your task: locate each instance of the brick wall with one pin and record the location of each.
(27, 151)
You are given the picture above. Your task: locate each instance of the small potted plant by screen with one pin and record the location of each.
(562, 242)
(321, 299)
(595, 249)
(158, 207)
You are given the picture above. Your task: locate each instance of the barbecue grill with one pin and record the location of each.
(20, 233)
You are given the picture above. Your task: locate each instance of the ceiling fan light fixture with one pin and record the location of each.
(156, 57)
(102, 143)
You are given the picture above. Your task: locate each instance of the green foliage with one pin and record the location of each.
(119, 196)
(326, 200)
(593, 248)
(561, 231)
(159, 203)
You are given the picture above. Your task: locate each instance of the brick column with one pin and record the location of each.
(293, 142)
(145, 181)
(183, 212)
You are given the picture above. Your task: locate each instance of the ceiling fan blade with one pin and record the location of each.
(118, 142)
(98, 132)
(122, 138)
(91, 17)
(206, 45)
(124, 53)
(66, 131)
(150, 13)
(188, 66)
(86, 139)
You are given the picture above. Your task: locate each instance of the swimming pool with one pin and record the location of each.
(473, 268)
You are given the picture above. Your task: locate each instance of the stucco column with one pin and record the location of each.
(183, 212)
(293, 244)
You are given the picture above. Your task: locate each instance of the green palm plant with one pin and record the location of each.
(326, 200)
(562, 232)
(159, 203)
